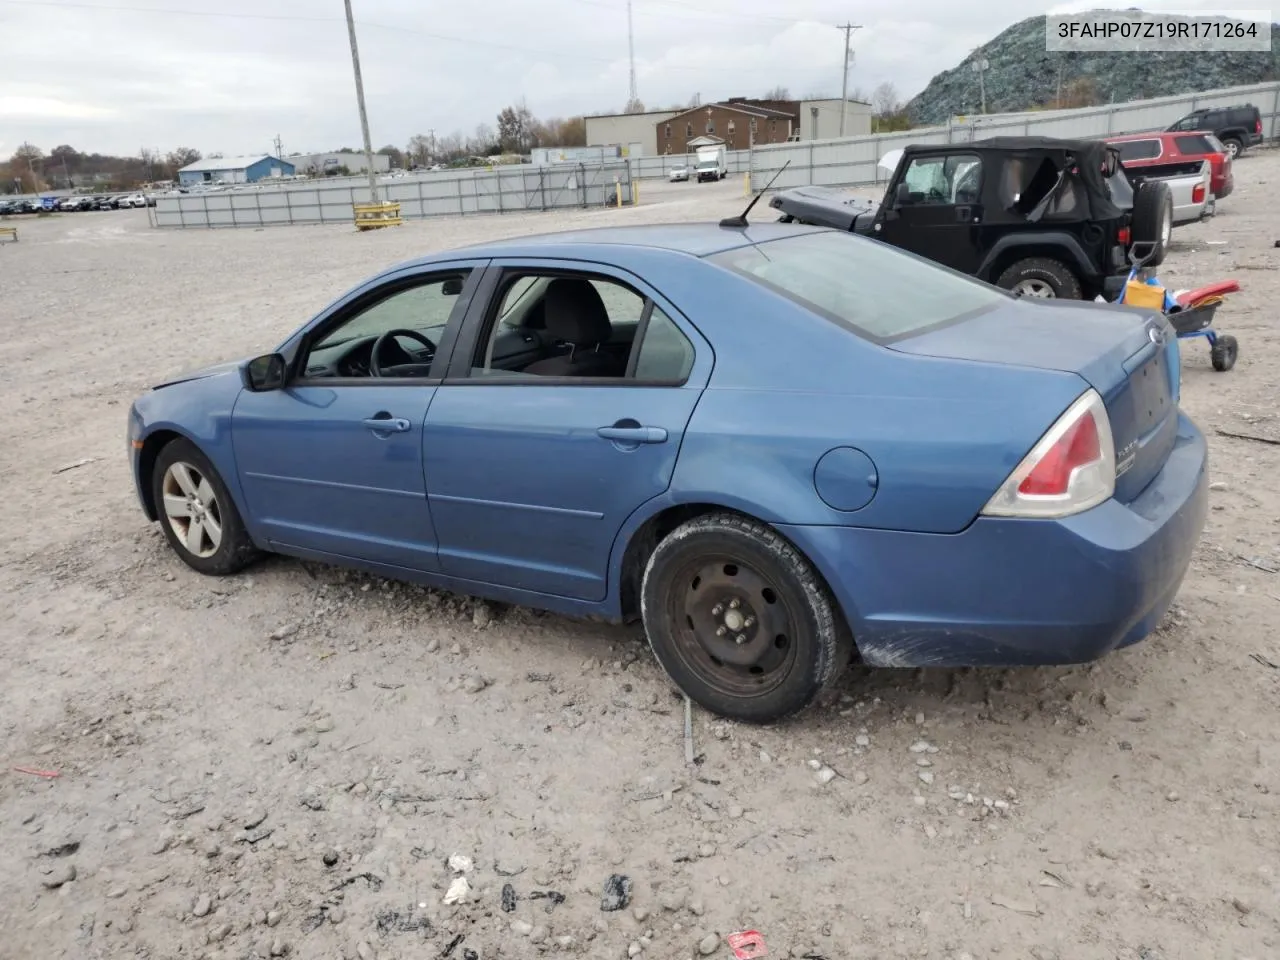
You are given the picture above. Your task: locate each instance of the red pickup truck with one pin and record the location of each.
(1159, 153)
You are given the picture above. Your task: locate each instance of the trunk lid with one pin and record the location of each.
(1129, 356)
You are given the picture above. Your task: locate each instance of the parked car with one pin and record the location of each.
(678, 174)
(597, 423)
(1238, 127)
(133, 200)
(1034, 215)
(1164, 154)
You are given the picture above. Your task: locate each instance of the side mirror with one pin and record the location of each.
(903, 197)
(452, 287)
(264, 373)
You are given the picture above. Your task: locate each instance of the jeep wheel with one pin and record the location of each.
(1234, 146)
(1153, 218)
(1041, 278)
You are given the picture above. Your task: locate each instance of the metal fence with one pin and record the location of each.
(854, 161)
(439, 194)
(658, 168)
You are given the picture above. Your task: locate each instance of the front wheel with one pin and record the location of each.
(1224, 352)
(740, 620)
(1042, 278)
(196, 511)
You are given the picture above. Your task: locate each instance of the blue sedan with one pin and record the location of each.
(781, 448)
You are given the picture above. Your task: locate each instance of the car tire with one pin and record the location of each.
(1040, 277)
(1234, 145)
(188, 493)
(1224, 352)
(1153, 219)
(726, 572)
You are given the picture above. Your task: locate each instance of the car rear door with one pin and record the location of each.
(531, 477)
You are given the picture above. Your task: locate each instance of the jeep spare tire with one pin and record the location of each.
(1041, 277)
(1153, 219)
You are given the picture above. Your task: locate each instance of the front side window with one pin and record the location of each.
(415, 313)
(580, 326)
(951, 179)
(865, 286)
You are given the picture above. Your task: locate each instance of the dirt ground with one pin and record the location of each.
(280, 764)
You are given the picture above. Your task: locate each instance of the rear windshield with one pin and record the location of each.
(865, 285)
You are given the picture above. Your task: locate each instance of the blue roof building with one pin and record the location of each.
(235, 170)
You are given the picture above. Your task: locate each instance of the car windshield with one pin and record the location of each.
(873, 289)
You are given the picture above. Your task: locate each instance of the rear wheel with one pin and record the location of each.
(1224, 353)
(1042, 278)
(1234, 146)
(1153, 219)
(197, 514)
(740, 620)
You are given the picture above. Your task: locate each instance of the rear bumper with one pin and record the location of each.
(1020, 592)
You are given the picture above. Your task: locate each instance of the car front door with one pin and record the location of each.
(332, 461)
(549, 431)
(939, 215)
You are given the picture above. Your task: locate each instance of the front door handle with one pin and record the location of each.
(633, 434)
(387, 424)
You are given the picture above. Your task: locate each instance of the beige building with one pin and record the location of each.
(634, 132)
(820, 119)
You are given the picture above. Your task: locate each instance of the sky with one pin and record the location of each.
(229, 76)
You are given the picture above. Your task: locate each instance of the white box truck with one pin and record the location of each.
(712, 163)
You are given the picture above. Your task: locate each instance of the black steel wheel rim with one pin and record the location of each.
(731, 626)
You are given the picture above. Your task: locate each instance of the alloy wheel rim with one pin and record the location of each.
(1040, 289)
(732, 627)
(191, 509)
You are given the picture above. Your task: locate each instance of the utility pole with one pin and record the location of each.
(364, 117)
(633, 99)
(848, 28)
(431, 139)
(279, 145)
(980, 67)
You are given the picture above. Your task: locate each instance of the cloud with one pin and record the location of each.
(231, 76)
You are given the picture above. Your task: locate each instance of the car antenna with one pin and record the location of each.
(740, 221)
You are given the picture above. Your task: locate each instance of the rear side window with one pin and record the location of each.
(865, 286)
(1138, 149)
(1194, 144)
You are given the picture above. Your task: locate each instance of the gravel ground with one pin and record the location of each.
(281, 764)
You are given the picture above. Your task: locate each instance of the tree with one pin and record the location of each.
(182, 157)
(884, 100)
(778, 93)
(1080, 92)
(516, 128)
(395, 153)
(419, 150)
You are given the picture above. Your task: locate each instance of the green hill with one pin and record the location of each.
(1023, 75)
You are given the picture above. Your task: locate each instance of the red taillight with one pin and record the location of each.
(1123, 235)
(1072, 468)
(1078, 447)
(1257, 126)
(1197, 193)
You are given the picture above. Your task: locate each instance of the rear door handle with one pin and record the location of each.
(387, 424)
(633, 434)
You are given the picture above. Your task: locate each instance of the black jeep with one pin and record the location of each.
(1036, 216)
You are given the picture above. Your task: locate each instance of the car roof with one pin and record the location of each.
(693, 239)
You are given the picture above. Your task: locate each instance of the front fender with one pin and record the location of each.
(201, 412)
